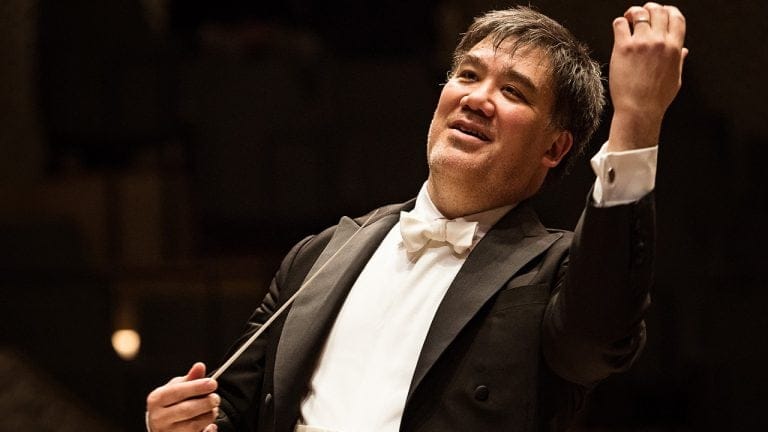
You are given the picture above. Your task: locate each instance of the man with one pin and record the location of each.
(459, 311)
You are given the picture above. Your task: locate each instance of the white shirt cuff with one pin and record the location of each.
(623, 176)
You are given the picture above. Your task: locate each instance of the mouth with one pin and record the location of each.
(470, 129)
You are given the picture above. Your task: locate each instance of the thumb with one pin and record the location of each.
(682, 60)
(197, 371)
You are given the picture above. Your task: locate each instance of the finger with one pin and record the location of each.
(203, 410)
(635, 12)
(171, 394)
(659, 18)
(682, 60)
(190, 389)
(200, 423)
(676, 25)
(211, 428)
(196, 408)
(196, 371)
(621, 32)
(639, 18)
(177, 379)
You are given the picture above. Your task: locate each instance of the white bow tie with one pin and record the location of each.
(417, 232)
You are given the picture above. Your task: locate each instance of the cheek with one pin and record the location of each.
(518, 120)
(523, 142)
(430, 135)
(439, 117)
(450, 98)
(523, 130)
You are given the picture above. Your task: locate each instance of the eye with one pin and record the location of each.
(513, 92)
(466, 75)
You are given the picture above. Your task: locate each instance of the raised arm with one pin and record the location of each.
(645, 73)
(594, 324)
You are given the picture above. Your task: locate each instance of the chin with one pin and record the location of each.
(457, 172)
(451, 158)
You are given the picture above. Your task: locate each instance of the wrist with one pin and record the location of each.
(631, 130)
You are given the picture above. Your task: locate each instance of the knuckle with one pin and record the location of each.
(153, 398)
(673, 10)
(650, 45)
(657, 45)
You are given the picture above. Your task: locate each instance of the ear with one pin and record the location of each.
(560, 146)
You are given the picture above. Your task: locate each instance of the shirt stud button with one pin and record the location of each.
(482, 393)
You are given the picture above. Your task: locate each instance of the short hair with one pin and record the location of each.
(576, 79)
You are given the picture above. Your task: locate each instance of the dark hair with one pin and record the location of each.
(576, 80)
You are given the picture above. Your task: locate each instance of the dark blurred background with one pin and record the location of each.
(158, 157)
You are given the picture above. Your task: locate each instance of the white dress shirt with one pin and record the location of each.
(367, 363)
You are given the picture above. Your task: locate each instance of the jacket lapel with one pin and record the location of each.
(314, 310)
(514, 241)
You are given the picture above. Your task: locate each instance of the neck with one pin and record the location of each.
(461, 200)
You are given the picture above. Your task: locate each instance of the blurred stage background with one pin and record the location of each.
(158, 157)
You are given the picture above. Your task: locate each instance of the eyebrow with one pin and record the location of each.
(510, 73)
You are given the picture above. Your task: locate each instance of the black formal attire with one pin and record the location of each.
(534, 318)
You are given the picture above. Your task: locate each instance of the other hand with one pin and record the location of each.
(184, 404)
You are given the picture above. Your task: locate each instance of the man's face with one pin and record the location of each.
(492, 128)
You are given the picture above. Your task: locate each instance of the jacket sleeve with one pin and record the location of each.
(593, 325)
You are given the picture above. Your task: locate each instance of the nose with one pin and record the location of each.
(479, 100)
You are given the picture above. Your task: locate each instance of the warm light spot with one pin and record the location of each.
(126, 343)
